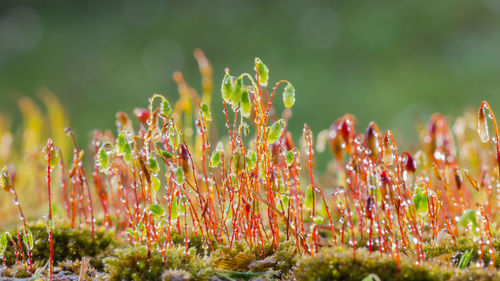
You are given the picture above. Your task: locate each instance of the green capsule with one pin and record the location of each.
(468, 218)
(251, 159)
(179, 175)
(237, 92)
(289, 96)
(155, 183)
(318, 219)
(156, 209)
(166, 154)
(103, 160)
(54, 157)
(121, 142)
(215, 159)
(127, 153)
(275, 131)
(5, 180)
(3, 243)
(205, 112)
(166, 109)
(309, 197)
(246, 104)
(153, 165)
(263, 72)
(28, 239)
(227, 87)
(420, 201)
(284, 201)
(174, 213)
(290, 157)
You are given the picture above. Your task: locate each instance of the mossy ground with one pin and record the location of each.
(109, 257)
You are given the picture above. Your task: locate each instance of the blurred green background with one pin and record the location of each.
(388, 61)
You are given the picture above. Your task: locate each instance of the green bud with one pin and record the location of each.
(227, 87)
(246, 104)
(275, 131)
(289, 96)
(156, 209)
(205, 112)
(166, 109)
(263, 72)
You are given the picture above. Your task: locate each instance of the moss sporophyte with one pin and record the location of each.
(169, 197)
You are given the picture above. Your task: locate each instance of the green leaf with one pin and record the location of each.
(309, 197)
(153, 165)
(166, 109)
(205, 112)
(263, 72)
(290, 157)
(246, 104)
(156, 209)
(464, 261)
(420, 201)
(215, 159)
(275, 131)
(155, 183)
(227, 87)
(179, 175)
(3, 243)
(289, 96)
(28, 239)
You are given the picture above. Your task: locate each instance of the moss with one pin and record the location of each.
(135, 263)
(195, 241)
(17, 271)
(338, 264)
(69, 244)
(244, 257)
